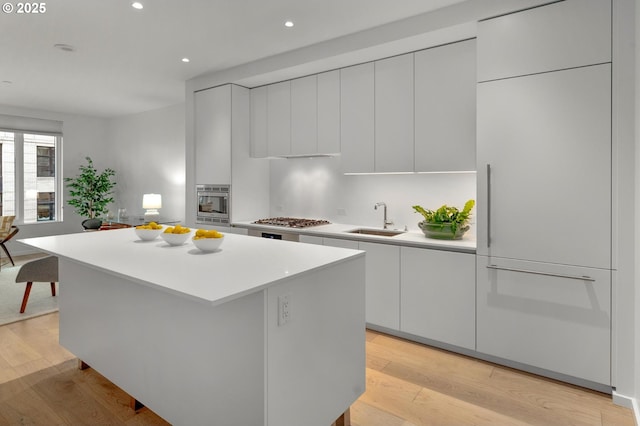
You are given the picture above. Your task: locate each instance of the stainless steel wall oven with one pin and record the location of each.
(213, 203)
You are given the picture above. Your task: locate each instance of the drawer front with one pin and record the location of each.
(549, 316)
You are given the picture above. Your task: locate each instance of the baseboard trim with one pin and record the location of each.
(628, 402)
(622, 400)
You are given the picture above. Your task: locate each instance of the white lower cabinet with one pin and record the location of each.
(438, 295)
(337, 242)
(382, 284)
(382, 281)
(549, 316)
(310, 239)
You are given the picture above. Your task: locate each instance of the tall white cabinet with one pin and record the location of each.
(259, 143)
(212, 134)
(222, 154)
(546, 139)
(544, 189)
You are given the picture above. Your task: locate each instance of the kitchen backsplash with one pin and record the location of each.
(317, 188)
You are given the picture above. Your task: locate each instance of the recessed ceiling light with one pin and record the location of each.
(64, 47)
(288, 24)
(185, 60)
(137, 5)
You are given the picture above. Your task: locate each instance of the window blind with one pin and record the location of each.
(28, 124)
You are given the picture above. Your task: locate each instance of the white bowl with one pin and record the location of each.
(208, 244)
(175, 239)
(148, 234)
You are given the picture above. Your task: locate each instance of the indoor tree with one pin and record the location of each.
(91, 191)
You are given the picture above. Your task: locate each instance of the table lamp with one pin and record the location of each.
(151, 202)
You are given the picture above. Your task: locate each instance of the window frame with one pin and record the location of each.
(19, 170)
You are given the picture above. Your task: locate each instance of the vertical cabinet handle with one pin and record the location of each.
(488, 205)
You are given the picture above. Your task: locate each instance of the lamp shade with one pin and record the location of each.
(151, 201)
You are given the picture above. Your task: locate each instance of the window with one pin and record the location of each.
(46, 206)
(30, 184)
(46, 161)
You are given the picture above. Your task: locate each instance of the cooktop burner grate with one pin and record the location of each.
(292, 222)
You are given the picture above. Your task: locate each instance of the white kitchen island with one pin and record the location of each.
(199, 337)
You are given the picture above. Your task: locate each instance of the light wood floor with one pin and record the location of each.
(407, 384)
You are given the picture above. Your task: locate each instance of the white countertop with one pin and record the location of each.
(336, 230)
(241, 266)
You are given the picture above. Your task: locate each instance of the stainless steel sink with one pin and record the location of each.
(377, 232)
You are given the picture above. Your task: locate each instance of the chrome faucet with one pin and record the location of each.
(385, 221)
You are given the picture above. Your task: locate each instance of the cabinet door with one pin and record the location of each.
(259, 122)
(445, 108)
(438, 299)
(561, 35)
(329, 112)
(337, 242)
(559, 322)
(279, 119)
(357, 118)
(547, 139)
(394, 114)
(304, 115)
(382, 284)
(213, 135)
(310, 239)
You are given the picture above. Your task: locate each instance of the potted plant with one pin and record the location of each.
(90, 193)
(448, 223)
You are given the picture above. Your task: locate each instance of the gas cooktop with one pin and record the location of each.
(292, 222)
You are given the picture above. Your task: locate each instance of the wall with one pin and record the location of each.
(82, 136)
(316, 188)
(636, 319)
(147, 150)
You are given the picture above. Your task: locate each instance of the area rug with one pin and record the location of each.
(40, 300)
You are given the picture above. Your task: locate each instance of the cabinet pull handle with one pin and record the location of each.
(549, 274)
(488, 205)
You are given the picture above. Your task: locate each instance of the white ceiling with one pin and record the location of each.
(128, 61)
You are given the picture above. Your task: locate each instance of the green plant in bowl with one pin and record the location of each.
(446, 222)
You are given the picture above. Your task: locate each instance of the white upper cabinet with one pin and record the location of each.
(304, 115)
(279, 119)
(297, 117)
(329, 112)
(394, 114)
(213, 135)
(562, 35)
(445, 108)
(357, 118)
(259, 122)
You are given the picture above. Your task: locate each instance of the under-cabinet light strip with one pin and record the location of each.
(412, 173)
